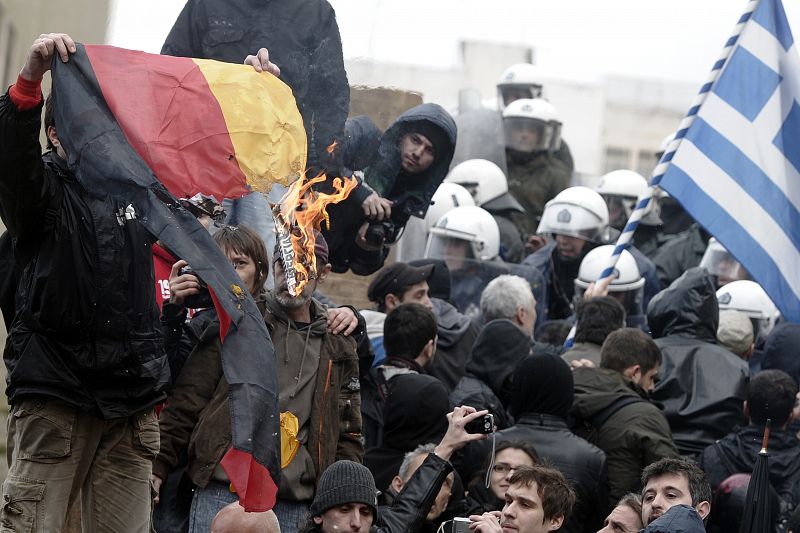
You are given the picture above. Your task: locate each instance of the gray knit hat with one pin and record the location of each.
(344, 482)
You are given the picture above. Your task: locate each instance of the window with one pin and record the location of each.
(616, 158)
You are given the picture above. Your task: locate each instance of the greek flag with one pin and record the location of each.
(736, 168)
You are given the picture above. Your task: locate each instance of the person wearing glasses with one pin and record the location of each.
(509, 456)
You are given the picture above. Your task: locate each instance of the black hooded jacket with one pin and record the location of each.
(302, 37)
(415, 413)
(487, 385)
(701, 385)
(410, 193)
(84, 329)
(456, 335)
(737, 453)
(541, 400)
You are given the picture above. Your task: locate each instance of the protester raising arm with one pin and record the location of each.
(25, 194)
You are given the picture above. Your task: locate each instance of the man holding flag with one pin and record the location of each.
(86, 364)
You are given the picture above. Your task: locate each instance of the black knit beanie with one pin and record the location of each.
(345, 482)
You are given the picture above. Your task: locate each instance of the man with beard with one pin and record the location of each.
(317, 383)
(670, 483)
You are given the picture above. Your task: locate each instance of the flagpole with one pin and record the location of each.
(624, 239)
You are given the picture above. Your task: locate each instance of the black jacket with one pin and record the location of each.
(583, 464)
(415, 413)
(679, 254)
(409, 510)
(737, 453)
(701, 385)
(85, 328)
(302, 37)
(456, 335)
(487, 385)
(542, 396)
(412, 193)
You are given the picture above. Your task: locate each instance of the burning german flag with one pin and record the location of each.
(141, 129)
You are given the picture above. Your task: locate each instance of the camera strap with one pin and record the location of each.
(491, 460)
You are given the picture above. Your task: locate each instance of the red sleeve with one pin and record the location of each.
(26, 94)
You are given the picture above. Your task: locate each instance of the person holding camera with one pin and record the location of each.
(347, 498)
(538, 500)
(413, 159)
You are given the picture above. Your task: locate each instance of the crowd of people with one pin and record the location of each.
(451, 405)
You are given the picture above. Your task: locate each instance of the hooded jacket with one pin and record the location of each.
(85, 324)
(415, 413)
(412, 193)
(632, 437)
(677, 519)
(197, 416)
(701, 385)
(737, 453)
(487, 385)
(541, 400)
(456, 335)
(302, 37)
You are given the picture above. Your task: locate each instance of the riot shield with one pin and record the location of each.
(468, 281)
(480, 136)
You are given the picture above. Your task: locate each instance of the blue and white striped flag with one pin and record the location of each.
(736, 169)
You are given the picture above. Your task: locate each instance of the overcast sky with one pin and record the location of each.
(585, 39)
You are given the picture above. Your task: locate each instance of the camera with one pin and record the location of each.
(379, 233)
(460, 525)
(200, 300)
(484, 425)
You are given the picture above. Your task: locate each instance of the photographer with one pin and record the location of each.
(346, 498)
(413, 158)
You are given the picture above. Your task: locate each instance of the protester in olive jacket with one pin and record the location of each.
(317, 381)
(613, 402)
(701, 385)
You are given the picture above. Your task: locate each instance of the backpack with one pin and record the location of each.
(589, 428)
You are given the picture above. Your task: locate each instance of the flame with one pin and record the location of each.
(302, 211)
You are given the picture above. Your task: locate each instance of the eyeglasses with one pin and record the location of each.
(503, 468)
